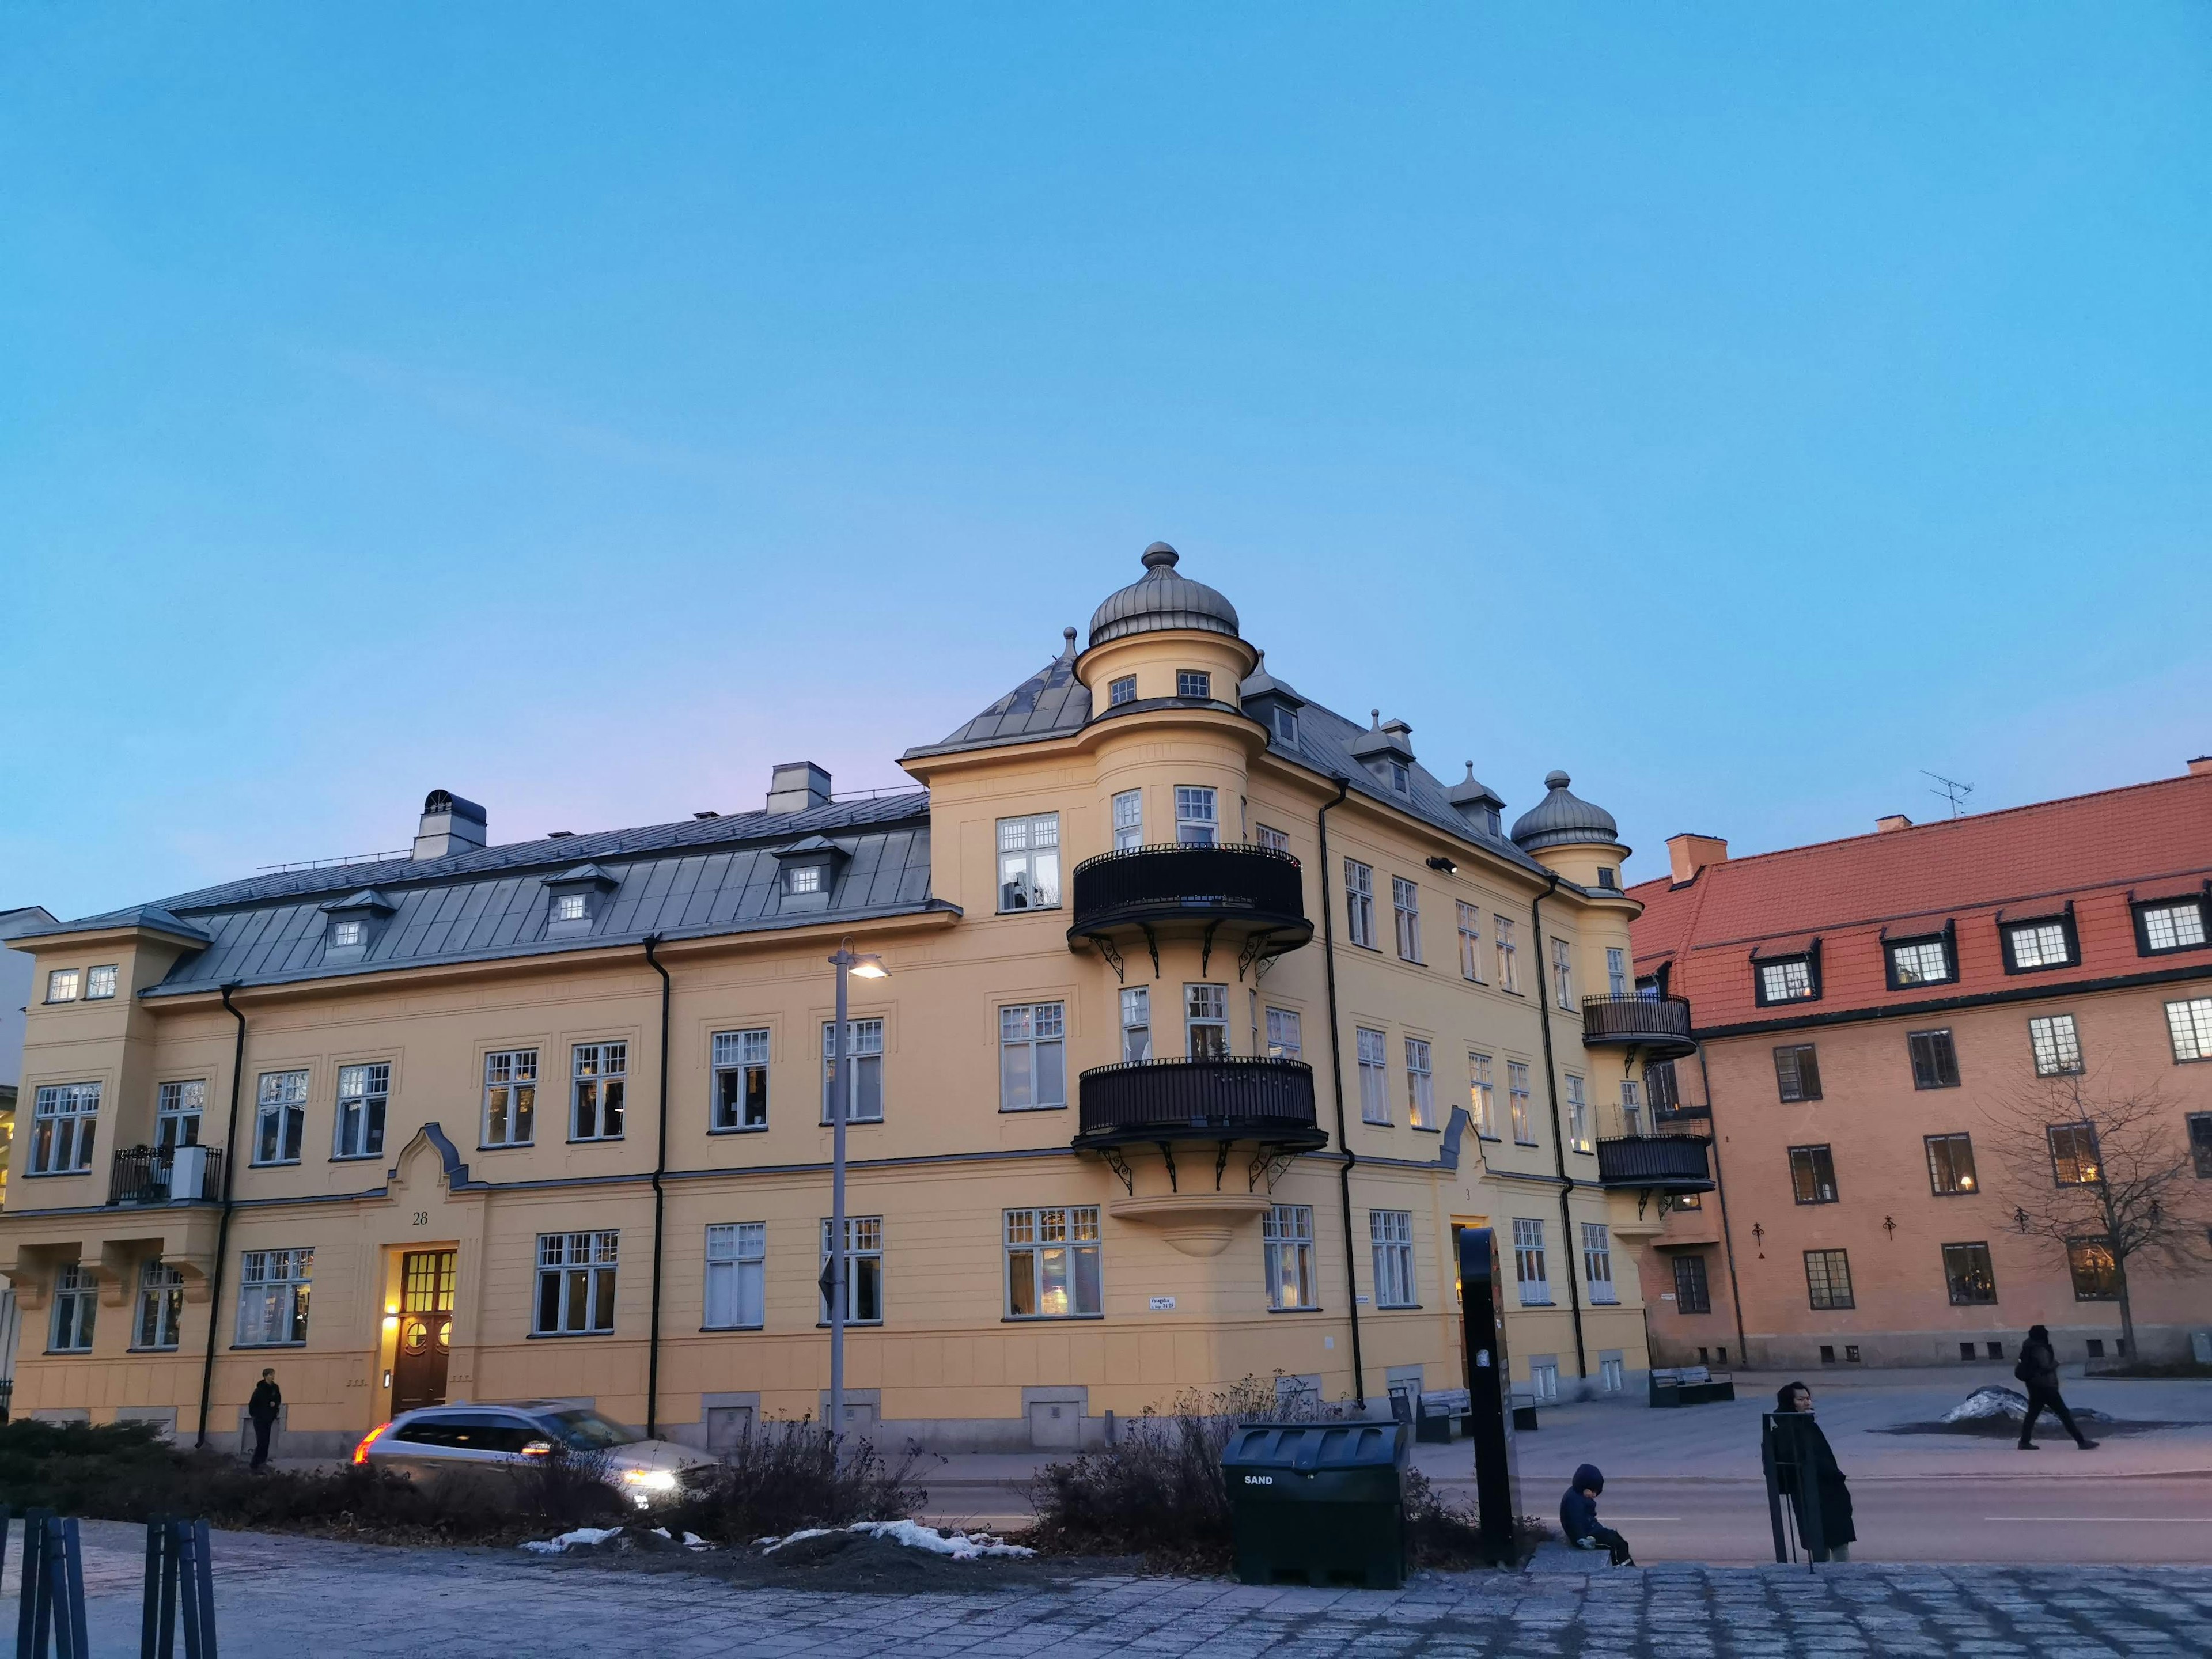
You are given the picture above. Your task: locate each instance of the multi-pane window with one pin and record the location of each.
(510, 1097)
(1828, 1279)
(2176, 927)
(1193, 683)
(1812, 1174)
(2074, 1159)
(1421, 1086)
(571, 907)
(1052, 1263)
(2189, 1024)
(280, 1117)
(740, 1080)
(1029, 862)
(1285, 1039)
(1951, 1165)
(803, 878)
(272, 1298)
(1616, 971)
(1797, 1071)
(1406, 903)
(576, 1283)
(1967, 1271)
(99, 983)
(737, 1276)
(2095, 1272)
(1274, 840)
(363, 1093)
(1508, 956)
(347, 934)
(864, 1265)
(1528, 1267)
(1206, 1021)
(1287, 1243)
(1359, 904)
(1374, 1079)
(1128, 819)
(2057, 1045)
(2200, 1143)
(1563, 973)
(1285, 722)
(1692, 1290)
(178, 1110)
(601, 1080)
(1032, 1056)
(1934, 1062)
(64, 984)
(2038, 945)
(1631, 1106)
(64, 1117)
(1470, 943)
(77, 1305)
(1544, 1377)
(1390, 1232)
(1578, 1127)
(161, 1305)
(1122, 690)
(1597, 1263)
(1481, 1095)
(864, 1070)
(1197, 815)
(1790, 979)
(1137, 1023)
(1920, 961)
(1661, 1087)
(1517, 1101)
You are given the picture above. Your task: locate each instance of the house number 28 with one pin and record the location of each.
(421, 1218)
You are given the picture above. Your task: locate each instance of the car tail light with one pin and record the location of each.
(360, 1452)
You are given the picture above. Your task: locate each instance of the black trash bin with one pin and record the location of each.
(1319, 1503)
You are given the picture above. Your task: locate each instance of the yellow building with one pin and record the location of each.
(1210, 1015)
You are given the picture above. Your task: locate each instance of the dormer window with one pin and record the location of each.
(1400, 780)
(2163, 925)
(1286, 725)
(803, 878)
(353, 924)
(2046, 942)
(573, 900)
(1122, 690)
(1918, 962)
(1193, 683)
(570, 907)
(1493, 821)
(1794, 978)
(345, 935)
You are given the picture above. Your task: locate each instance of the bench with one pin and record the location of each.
(1689, 1385)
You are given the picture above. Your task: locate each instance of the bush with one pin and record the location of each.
(781, 1477)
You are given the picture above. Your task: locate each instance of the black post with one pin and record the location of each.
(75, 1641)
(1769, 1463)
(29, 1626)
(150, 1597)
(1489, 1388)
(199, 1561)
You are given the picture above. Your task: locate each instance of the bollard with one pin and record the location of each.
(179, 1586)
(49, 1615)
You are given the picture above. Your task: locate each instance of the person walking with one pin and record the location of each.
(2038, 1370)
(1819, 1460)
(1578, 1517)
(268, 1400)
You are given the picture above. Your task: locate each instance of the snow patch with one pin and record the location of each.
(583, 1536)
(958, 1546)
(2008, 1403)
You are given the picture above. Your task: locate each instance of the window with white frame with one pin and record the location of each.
(347, 934)
(571, 907)
(1285, 1039)
(1421, 1086)
(510, 1097)
(1122, 690)
(1193, 683)
(863, 1265)
(1390, 1232)
(740, 1080)
(1287, 1240)
(2189, 1024)
(1359, 904)
(1052, 1263)
(1136, 1024)
(737, 1276)
(64, 1117)
(1613, 1374)
(77, 1305)
(64, 984)
(1528, 1266)
(1406, 901)
(1032, 1056)
(1631, 1106)
(280, 1118)
(2057, 1045)
(1128, 819)
(599, 1081)
(1597, 1263)
(272, 1298)
(864, 1070)
(1274, 840)
(1616, 971)
(1578, 1128)
(804, 879)
(178, 1110)
(1544, 1377)
(1285, 722)
(1517, 1101)
(2176, 927)
(1374, 1076)
(1788, 980)
(1197, 815)
(1028, 863)
(2038, 945)
(1921, 962)
(1508, 956)
(160, 1306)
(1206, 1021)
(363, 1093)
(99, 983)
(1482, 1095)
(1563, 973)
(576, 1283)
(1470, 943)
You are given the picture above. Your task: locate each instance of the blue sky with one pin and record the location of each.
(582, 408)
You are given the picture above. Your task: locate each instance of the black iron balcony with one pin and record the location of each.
(147, 1175)
(1255, 893)
(1658, 1163)
(1660, 1026)
(1268, 1102)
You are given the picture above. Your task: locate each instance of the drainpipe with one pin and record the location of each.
(1336, 1072)
(1559, 1139)
(659, 1204)
(223, 1226)
(1719, 1191)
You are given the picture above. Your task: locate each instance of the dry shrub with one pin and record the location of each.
(783, 1476)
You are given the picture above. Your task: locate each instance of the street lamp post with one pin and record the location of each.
(836, 1273)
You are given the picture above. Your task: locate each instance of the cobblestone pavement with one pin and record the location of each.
(283, 1597)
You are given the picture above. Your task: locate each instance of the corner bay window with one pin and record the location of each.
(1122, 690)
(863, 1263)
(1052, 1263)
(576, 1283)
(510, 1097)
(740, 1079)
(864, 1070)
(65, 1117)
(1287, 1240)
(1032, 1057)
(77, 1305)
(1128, 819)
(737, 1267)
(272, 1298)
(1206, 1021)
(1197, 822)
(1028, 863)
(600, 1082)
(1193, 683)
(1136, 1024)
(1390, 1235)
(1967, 1272)
(280, 1117)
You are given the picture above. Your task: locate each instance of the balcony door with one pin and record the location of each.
(426, 1321)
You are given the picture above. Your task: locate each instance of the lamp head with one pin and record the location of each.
(870, 966)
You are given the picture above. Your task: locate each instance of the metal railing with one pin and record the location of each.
(1140, 883)
(147, 1174)
(1260, 1099)
(1664, 1161)
(1630, 1017)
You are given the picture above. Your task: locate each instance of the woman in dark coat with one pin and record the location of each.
(2038, 1370)
(1837, 1532)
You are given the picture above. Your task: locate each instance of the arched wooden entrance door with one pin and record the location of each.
(426, 1321)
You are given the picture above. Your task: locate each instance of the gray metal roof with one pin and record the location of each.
(1162, 599)
(1051, 703)
(1563, 818)
(136, 915)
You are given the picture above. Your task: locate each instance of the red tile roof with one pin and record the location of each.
(2153, 839)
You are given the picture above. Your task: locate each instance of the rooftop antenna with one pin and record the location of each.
(1951, 790)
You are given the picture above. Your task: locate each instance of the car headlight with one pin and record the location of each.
(650, 1480)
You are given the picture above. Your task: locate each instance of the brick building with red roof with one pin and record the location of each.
(1868, 1010)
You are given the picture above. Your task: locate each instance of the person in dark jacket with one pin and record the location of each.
(1837, 1533)
(1578, 1516)
(2038, 1370)
(268, 1400)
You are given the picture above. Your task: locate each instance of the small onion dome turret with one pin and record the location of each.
(1477, 802)
(1160, 600)
(1564, 819)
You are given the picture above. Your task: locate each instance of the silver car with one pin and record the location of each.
(438, 1442)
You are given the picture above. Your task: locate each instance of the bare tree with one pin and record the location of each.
(2085, 1167)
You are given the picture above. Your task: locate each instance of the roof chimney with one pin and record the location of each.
(2201, 767)
(797, 784)
(450, 825)
(1894, 821)
(1689, 854)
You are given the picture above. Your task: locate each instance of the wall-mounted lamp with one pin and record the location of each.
(1443, 865)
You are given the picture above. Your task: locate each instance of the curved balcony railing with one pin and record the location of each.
(1660, 1162)
(1170, 1100)
(147, 1175)
(1258, 887)
(1660, 1026)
